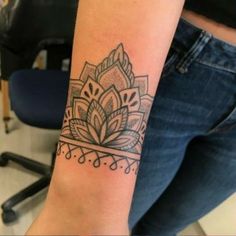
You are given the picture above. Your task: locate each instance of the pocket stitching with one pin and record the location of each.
(167, 67)
(220, 124)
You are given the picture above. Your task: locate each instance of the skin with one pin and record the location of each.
(220, 31)
(86, 200)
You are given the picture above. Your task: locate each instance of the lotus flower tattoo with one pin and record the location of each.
(107, 109)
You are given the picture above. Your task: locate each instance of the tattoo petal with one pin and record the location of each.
(88, 72)
(75, 87)
(142, 83)
(146, 104)
(96, 116)
(131, 98)
(135, 121)
(93, 133)
(137, 148)
(117, 120)
(110, 100)
(80, 108)
(91, 90)
(124, 141)
(103, 132)
(67, 116)
(142, 131)
(79, 130)
(121, 56)
(66, 131)
(111, 138)
(106, 78)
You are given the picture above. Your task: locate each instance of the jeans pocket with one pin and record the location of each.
(170, 60)
(227, 123)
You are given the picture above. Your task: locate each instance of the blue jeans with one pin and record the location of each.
(188, 163)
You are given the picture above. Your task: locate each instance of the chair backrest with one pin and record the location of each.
(28, 23)
(27, 26)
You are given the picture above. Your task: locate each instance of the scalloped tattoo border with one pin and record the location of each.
(106, 115)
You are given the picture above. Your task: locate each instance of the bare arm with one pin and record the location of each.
(119, 51)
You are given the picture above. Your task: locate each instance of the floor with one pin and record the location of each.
(37, 144)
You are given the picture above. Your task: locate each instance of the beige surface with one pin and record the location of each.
(194, 229)
(31, 142)
(221, 221)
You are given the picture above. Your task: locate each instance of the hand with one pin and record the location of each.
(54, 223)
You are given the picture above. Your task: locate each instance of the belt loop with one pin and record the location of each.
(193, 52)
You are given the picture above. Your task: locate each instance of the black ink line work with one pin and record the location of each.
(106, 114)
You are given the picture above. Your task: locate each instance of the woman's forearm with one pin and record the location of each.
(119, 51)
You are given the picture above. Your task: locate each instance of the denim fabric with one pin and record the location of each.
(188, 163)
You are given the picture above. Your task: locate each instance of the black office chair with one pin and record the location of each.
(26, 27)
(37, 97)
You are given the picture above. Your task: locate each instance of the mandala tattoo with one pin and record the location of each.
(106, 115)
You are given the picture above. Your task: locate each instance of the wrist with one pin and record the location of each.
(53, 223)
(68, 200)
